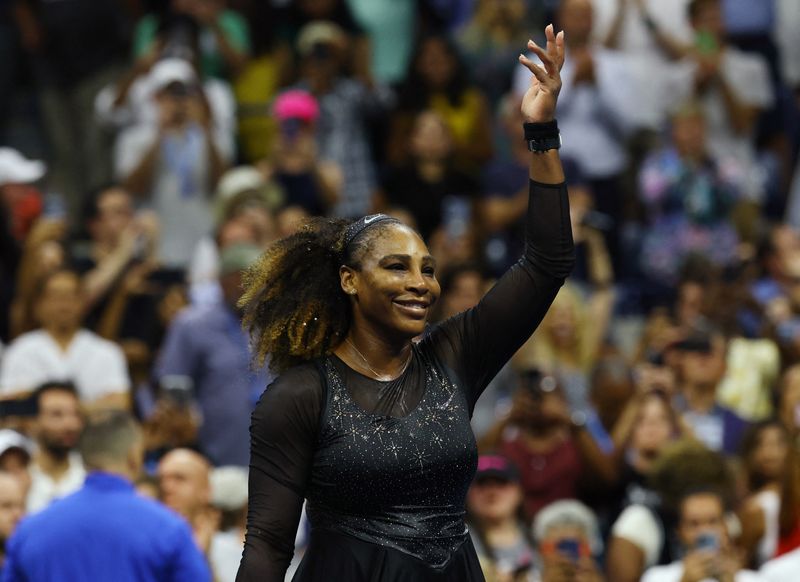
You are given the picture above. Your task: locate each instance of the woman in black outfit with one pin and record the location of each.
(371, 427)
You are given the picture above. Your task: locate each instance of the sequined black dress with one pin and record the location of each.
(385, 466)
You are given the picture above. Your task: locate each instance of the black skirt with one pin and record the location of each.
(335, 557)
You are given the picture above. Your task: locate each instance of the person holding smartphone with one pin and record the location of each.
(568, 540)
(710, 554)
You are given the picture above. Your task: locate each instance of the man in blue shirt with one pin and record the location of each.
(701, 364)
(105, 532)
(207, 348)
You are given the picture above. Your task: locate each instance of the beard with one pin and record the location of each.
(57, 449)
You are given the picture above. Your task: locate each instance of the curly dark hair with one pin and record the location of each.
(688, 466)
(294, 307)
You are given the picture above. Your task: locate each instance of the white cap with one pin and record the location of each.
(17, 169)
(171, 70)
(11, 439)
(238, 180)
(229, 487)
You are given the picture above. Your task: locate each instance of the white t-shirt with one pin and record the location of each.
(634, 38)
(95, 365)
(225, 554)
(787, 36)
(44, 490)
(654, 72)
(770, 503)
(674, 572)
(140, 106)
(639, 526)
(783, 569)
(747, 75)
(181, 188)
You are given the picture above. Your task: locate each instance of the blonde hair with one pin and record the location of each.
(540, 350)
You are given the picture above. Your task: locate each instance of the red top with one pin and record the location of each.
(790, 541)
(545, 476)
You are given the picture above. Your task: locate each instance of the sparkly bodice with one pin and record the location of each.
(399, 482)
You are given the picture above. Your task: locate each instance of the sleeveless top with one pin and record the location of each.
(398, 482)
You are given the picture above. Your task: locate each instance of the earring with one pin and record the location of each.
(351, 292)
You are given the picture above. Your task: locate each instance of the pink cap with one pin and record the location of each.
(296, 104)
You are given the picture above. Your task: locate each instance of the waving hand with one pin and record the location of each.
(539, 102)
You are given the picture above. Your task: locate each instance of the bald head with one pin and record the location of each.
(183, 479)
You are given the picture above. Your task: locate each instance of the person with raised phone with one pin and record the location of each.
(369, 419)
(709, 551)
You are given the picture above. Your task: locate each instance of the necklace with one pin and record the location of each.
(379, 376)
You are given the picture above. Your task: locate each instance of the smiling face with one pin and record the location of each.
(394, 286)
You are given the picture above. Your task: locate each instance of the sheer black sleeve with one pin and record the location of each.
(283, 434)
(478, 342)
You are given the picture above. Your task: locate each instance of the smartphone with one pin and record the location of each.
(456, 215)
(569, 547)
(167, 277)
(54, 206)
(707, 542)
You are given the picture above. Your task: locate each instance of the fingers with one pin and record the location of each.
(537, 70)
(550, 35)
(553, 55)
(544, 56)
(560, 49)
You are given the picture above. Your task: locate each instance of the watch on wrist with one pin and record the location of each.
(541, 145)
(542, 137)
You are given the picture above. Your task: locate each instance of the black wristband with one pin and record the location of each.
(542, 137)
(545, 130)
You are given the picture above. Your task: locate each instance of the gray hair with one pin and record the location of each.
(569, 512)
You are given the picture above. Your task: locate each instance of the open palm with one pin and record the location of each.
(539, 101)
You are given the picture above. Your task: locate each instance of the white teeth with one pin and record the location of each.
(414, 305)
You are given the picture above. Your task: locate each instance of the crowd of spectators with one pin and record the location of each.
(151, 150)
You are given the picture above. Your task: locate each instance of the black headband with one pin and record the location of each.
(362, 224)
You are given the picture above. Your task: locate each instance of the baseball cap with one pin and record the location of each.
(238, 180)
(229, 487)
(296, 104)
(496, 466)
(17, 169)
(11, 439)
(168, 71)
(319, 32)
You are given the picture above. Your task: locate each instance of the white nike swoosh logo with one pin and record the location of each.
(372, 218)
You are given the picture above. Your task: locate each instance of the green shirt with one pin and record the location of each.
(212, 64)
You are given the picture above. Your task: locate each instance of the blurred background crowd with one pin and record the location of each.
(150, 150)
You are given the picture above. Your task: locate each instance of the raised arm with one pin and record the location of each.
(476, 343)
